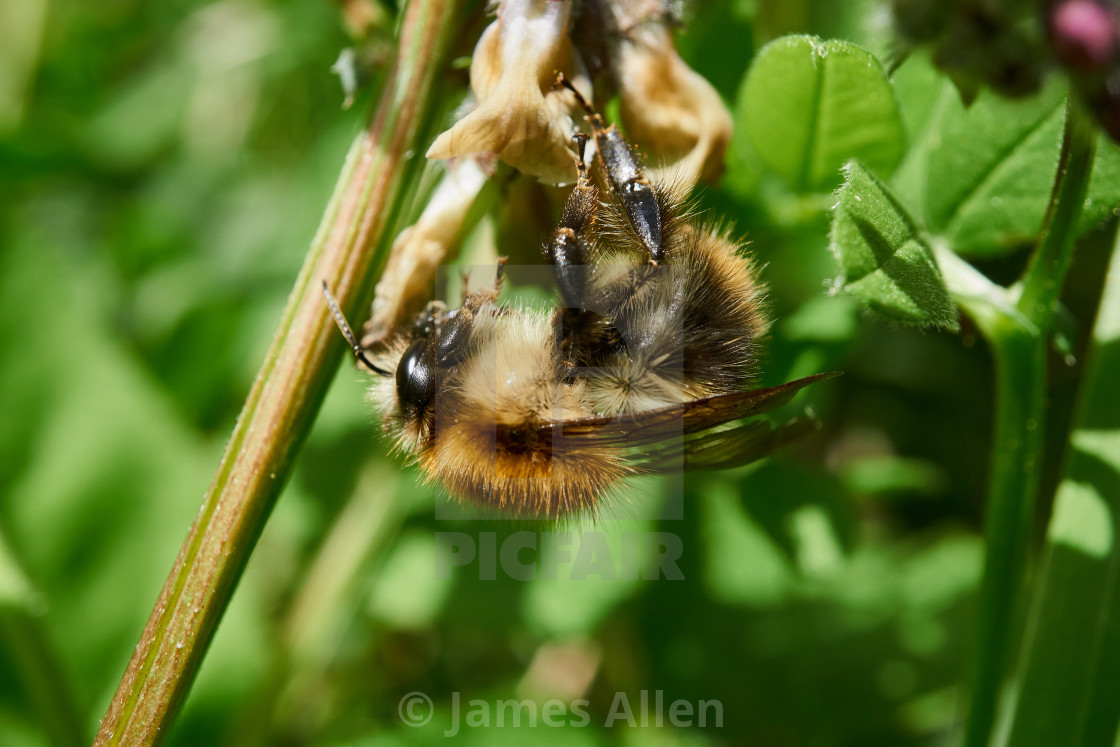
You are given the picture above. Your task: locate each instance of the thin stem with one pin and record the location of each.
(1066, 678)
(1020, 363)
(1043, 280)
(1019, 339)
(1019, 351)
(286, 395)
(328, 599)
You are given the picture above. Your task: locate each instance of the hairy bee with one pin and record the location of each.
(648, 356)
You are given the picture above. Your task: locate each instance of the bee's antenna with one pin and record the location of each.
(348, 333)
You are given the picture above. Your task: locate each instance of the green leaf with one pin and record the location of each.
(991, 169)
(1069, 691)
(1103, 200)
(16, 590)
(407, 594)
(808, 106)
(885, 259)
(884, 476)
(823, 319)
(981, 177)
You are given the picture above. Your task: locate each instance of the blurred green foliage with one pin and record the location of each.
(163, 170)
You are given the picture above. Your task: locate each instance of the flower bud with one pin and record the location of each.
(1083, 34)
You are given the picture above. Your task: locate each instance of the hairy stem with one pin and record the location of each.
(286, 395)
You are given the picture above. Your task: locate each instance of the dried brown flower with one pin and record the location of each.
(669, 107)
(519, 117)
(422, 247)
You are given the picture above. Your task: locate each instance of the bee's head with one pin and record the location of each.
(416, 367)
(439, 341)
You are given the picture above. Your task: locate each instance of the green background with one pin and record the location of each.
(162, 171)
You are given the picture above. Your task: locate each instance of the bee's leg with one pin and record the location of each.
(428, 320)
(452, 344)
(465, 281)
(578, 325)
(568, 247)
(627, 178)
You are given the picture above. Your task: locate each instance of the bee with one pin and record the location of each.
(644, 365)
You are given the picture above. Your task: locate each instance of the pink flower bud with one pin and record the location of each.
(1083, 34)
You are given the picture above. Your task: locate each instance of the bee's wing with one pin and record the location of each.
(724, 448)
(684, 419)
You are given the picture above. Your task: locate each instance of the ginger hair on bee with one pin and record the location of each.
(488, 450)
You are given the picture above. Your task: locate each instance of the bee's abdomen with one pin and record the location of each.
(517, 469)
(691, 328)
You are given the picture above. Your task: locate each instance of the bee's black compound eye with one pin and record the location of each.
(416, 382)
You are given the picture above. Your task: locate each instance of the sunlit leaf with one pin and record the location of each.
(583, 575)
(884, 258)
(744, 566)
(991, 168)
(808, 106)
(981, 176)
(407, 593)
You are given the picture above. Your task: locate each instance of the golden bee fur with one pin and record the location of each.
(654, 342)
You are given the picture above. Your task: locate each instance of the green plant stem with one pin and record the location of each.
(1018, 337)
(1020, 363)
(1066, 678)
(287, 393)
(1042, 283)
(1019, 352)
